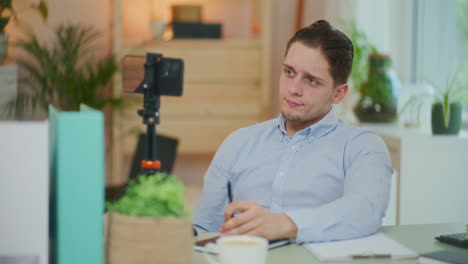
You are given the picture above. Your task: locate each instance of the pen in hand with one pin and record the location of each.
(229, 192)
(229, 195)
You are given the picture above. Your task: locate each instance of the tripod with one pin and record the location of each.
(150, 113)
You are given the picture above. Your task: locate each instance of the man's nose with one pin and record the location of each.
(296, 87)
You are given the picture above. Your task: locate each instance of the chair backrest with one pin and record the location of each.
(391, 214)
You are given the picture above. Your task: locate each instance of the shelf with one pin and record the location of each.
(210, 61)
(226, 82)
(196, 43)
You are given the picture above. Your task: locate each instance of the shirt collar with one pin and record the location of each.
(319, 129)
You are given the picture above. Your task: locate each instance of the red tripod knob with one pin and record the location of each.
(151, 164)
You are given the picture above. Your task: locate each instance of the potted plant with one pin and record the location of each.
(373, 77)
(6, 14)
(362, 48)
(378, 102)
(446, 114)
(148, 224)
(65, 74)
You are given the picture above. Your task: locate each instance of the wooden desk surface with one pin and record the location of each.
(420, 238)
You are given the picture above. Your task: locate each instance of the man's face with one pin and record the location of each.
(307, 90)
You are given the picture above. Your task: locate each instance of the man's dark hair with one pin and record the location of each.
(334, 44)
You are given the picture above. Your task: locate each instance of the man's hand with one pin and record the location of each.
(254, 220)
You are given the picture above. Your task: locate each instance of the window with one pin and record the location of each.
(440, 41)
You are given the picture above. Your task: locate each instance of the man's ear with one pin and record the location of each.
(340, 92)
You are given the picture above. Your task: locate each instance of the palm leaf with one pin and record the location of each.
(66, 73)
(5, 4)
(22, 102)
(42, 9)
(446, 110)
(362, 49)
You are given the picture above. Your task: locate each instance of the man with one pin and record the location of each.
(305, 175)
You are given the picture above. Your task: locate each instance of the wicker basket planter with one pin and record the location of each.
(144, 240)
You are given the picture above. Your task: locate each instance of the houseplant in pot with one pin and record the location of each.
(148, 224)
(64, 73)
(446, 114)
(360, 68)
(378, 102)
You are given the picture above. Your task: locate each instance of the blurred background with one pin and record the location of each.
(233, 51)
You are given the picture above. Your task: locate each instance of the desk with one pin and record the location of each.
(420, 238)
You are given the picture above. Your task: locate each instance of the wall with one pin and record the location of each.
(388, 25)
(283, 30)
(138, 15)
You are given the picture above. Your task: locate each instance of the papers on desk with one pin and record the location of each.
(374, 246)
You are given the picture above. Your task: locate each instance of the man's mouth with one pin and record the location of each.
(292, 103)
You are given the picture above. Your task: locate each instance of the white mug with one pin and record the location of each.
(239, 249)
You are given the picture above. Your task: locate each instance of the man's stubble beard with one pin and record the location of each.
(293, 117)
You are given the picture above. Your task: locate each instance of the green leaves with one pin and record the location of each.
(5, 4)
(3, 22)
(42, 9)
(455, 91)
(362, 48)
(446, 106)
(4, 19)
(158, 195)
(66, 73)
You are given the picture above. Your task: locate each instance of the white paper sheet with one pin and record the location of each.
(374, 246)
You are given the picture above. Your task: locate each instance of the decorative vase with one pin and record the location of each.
(159, 27)
(378, 101)
(145, 240)
(438, 124)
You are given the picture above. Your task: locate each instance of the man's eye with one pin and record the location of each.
(311, 81)
(289, 72)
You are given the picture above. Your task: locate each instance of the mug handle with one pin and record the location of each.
(209, 257)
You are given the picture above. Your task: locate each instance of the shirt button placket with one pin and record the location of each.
(278, 191)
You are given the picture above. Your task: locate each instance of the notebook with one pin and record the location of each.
(374, 246)
(444, 256)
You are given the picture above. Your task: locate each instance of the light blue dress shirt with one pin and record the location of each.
(331, 179)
